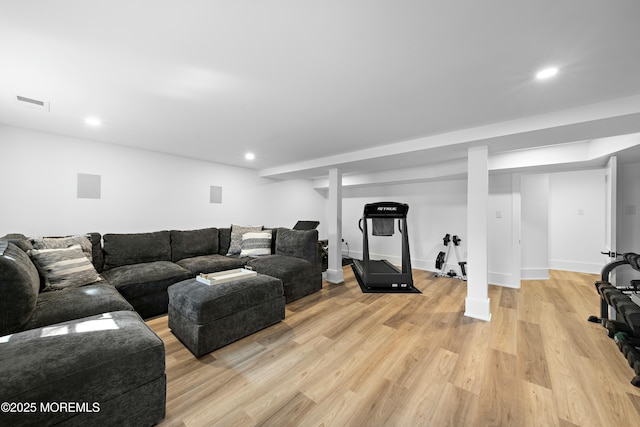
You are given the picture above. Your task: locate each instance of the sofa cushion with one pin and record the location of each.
(19, 286)
(187, 244)
(299, 277)
(298, 243)
(256, 244)
(96, 251)
(211, 263)
(137, 280)
(64, 268)
(202, 304)
(76, 303)
(224, 240)
(237, 231)
(127, 249)
(285, 268)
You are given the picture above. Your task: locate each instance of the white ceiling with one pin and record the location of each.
(362, 85)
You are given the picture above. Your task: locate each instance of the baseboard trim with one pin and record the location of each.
(576, 266)
(534, 273)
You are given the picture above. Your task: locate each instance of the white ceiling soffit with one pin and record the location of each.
(596, 121)
(569, 156)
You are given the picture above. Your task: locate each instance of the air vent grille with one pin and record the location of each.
(32, 103)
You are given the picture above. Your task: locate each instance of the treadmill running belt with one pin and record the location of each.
(383, 290)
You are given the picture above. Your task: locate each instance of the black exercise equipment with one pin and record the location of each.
(443, 257)
(625, 329)
(306, 225)
(381, 273)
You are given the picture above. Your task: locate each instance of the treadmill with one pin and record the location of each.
(381, 273)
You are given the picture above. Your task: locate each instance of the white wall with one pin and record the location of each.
(141, 190)
(500, 239)
(577, 220)
(535, 226)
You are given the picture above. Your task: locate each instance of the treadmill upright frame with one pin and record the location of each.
(381, 273)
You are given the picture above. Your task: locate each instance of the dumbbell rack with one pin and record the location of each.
(443, 258)
(625, 330)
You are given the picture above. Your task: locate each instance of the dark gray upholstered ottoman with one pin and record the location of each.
(206, 318)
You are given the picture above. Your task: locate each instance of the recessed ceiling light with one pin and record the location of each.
(249, 156)
(546, 73)
(92, 121)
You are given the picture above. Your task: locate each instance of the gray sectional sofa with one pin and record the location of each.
(81, 354)
(142, 266)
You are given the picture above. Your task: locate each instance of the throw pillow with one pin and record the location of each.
(64, 242)
(256, 244)
(237, 231)
(64, 268)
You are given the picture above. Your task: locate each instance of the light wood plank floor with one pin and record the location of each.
(343, 358)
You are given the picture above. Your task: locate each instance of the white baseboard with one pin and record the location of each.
(503, 279)
(534, 273)
(577, 266)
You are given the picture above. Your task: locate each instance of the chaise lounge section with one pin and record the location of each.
(62, 347)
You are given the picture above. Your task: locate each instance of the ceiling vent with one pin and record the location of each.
(32, 103)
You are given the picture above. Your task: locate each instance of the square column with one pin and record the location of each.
(334, 226)
(477, 301)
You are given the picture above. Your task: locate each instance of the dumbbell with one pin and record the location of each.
(632, 318)
(608, 292)
(613, 327)
(633, 356)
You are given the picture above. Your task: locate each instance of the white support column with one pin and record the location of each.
(334, 222)
(477, 301)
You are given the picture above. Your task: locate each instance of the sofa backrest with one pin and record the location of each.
(19, 287)
(96, 250)
(136, 248)
(224, 240)
(192, 243)
(298, 243)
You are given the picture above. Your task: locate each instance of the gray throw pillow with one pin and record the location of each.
(256, 244)
(236, 237)
(64, 242)
(64, 268)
